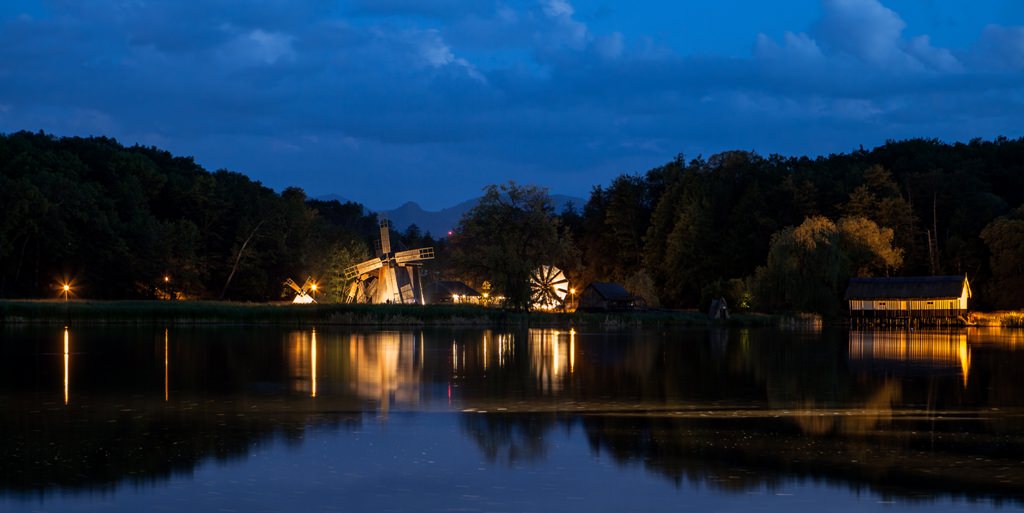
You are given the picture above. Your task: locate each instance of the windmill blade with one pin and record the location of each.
(548, 287)
(385, 236)
(414, 255)
(363, 268)
(294, 286)
(307, 285)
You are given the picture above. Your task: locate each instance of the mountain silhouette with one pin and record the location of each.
(438, 223)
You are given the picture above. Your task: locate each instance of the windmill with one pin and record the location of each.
(548, 288)
(302, 293)
(392, 277)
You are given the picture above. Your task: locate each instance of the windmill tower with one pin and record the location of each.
(391, 277)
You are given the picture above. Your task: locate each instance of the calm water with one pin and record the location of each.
(268, 419)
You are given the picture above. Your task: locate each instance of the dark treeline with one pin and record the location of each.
(117, 220)
(785, 233)
(771, 233)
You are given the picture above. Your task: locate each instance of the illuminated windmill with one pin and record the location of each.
(548, 288)
(392, 277)
(302, 293)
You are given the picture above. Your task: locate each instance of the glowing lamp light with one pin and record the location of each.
(313, 287)
(66, 289)
(455, 298)
(167, 279)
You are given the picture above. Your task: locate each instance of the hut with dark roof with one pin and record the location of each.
(451, 292)
(607, 297)
(909, 300)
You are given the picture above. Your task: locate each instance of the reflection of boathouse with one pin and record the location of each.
(909, 349)
(909, 300)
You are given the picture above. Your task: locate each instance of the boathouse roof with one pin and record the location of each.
(611, 291)
(910, 287)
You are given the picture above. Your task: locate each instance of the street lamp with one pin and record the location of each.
(66, 288)
(572, 297)
(312, 289)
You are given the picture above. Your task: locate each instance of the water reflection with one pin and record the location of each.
(384, 367)
(552, 357)
(939, 349)
(302, 361)
(729, 408)
(167, 364)
(67, 364)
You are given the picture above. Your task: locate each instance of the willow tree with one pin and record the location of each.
(809, 265)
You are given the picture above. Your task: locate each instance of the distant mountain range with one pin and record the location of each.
(440, 222)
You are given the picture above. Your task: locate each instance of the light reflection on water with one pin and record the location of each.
(930, 348)
(712, 412)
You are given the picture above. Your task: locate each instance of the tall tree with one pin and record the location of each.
(809, 265)
(1004, 238)
(879, 199)
(509, 233)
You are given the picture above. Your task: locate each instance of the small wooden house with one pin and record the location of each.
(605, 297)
(451, 292)
(909, 300)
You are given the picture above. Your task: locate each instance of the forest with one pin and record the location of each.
(773, 233)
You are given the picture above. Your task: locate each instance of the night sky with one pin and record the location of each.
(384, 101)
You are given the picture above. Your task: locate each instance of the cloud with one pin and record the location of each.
(861, 28)
(437, 9)
(467, 93)
(1001, 47)
(438, 54)
(794, 46)
(571, 33)
(256, 47)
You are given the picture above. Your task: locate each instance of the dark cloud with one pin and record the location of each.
(440, 9)
(432, 100)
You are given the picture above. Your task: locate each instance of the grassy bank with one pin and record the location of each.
(1005, 319)
(219, 312)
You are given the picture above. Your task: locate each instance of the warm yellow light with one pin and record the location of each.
(964, 354)
(167, 368)
(554, 353)
(572, 291)
(312, 365)
(167, 279)
(67, 287)
(455, 298)
(67, 362)
(313, 287)
(572, 350)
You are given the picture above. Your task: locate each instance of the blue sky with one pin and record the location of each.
(384, 101)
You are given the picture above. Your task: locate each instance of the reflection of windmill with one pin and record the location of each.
(391, 277)
(548, 288)
(302, 293)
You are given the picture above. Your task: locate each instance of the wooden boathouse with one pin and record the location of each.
(931, 300)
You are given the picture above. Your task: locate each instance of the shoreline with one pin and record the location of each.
(227, 312)
(29, 311)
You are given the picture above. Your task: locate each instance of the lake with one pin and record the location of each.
(115, 418)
